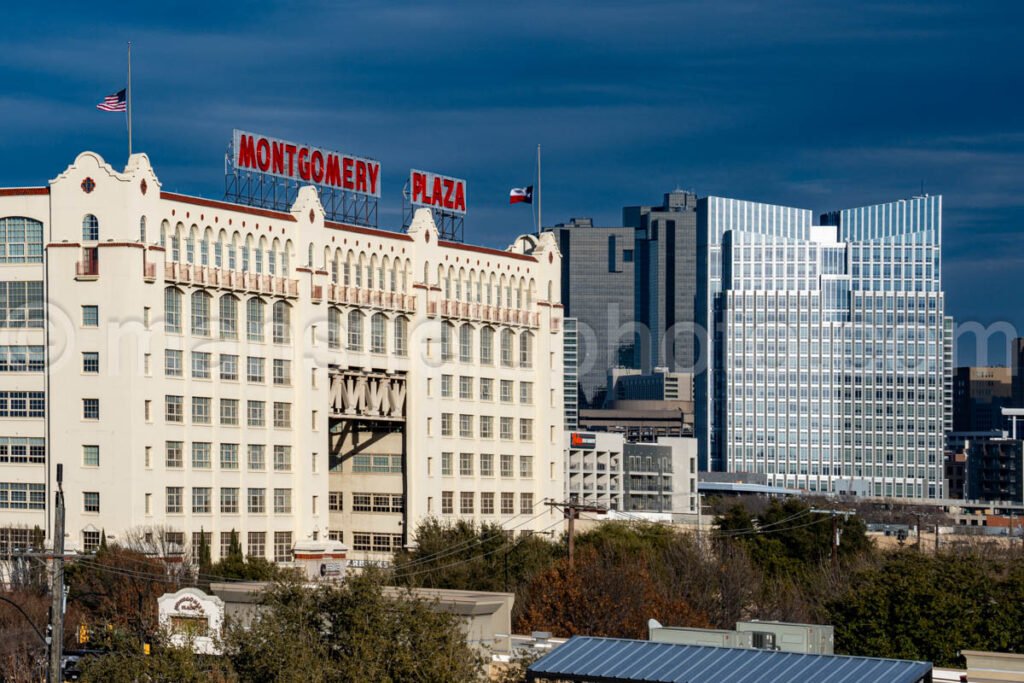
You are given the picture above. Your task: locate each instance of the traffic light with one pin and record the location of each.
(83, 634)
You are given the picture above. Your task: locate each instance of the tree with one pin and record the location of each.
(235, 566)
(205, 559)
(125, 662)
(355, 631)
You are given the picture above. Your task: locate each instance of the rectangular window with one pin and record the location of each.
(526, 393)
(201, 455)
(174, 454)
(465, 387)
(486, 465)
(18, 496)
(201, 500)
(506, 391)
(486, 427)
(466, 464)
(466, 502)
(26, 359)
(228, 317)
(526, 429)
(90, 409)
(90, 316)
(254, 370)
(172, 311)
(90, 541)
(447, 504)
(486, 389)
(229, 367)
(21, 449)
(172, 363)
(257, 501)
(446, 464)
(525, 503)
(21, 304)
(526, 466)
(229, 411)
(229, 501)
(90, 361)
(446, 386)
(362, 502)
(282, 458)
(486, 503)
(200, 365)
(256, 413)
(466, 426)
(506, 428)
(446, 424)
(229, 456)
(257, 544)
(361, 541)
(91, 501)
(506, 465)
(257, 457)
(174, 410)
(508, 503)
(201, 410)
(174, 495)
(282, 501)
(335, 501)
(282, 415)
(201, 314)
(91, 456)
(282, 372)
(282, 546)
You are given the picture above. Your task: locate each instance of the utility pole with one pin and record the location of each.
(936, 539)
(573, 508)
(918, 515)
(57, 585)
(835, 541)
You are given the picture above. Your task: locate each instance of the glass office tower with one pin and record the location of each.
(829, 361)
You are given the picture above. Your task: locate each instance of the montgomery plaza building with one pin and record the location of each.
(830, 366)
(199, 366)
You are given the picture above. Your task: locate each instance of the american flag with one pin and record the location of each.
(116, 102)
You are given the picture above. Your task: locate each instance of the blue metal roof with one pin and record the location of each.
(604, 660)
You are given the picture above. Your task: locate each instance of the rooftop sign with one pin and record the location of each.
(438, 192)
(302, 163)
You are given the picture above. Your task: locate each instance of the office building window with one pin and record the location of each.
(229, 367)
(90, 361)
(201, 455)
(335, 501)
(174, 408)
(173, 454)
(174, 499)
(257, 501)
(21, 240)
(228, 321)
(401, 336)
(282, 458)
(91, 501)
(172, 310)
(229, 411)
(466, 502)
(172, 363)
(487, 503)
(525, 503)
(508, 503)
(25, 359)
(506, 465)
(446, 464)
(229, 456)
(254, 311)
(282, 501)
(282, 372)
(90, 316)
(486, 465)
(201, 314)
(90, 541)
(282, 546)
(91, 456)
(282, 415)
(25, 404)
(256, 413)
(201, 410)
(201, 500)
(447, 504)
(282, 314)
(90, 409)
(466, 464)
(254, 369)
(257, 457)
(257, 544)
(378, 335)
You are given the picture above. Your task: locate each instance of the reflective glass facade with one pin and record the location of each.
(830, 367)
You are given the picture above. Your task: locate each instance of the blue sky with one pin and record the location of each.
(815, 104)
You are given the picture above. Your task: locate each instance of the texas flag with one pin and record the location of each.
(521, 194)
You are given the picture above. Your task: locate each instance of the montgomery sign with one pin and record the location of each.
(304, 163)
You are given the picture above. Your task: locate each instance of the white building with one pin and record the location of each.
(198, 365)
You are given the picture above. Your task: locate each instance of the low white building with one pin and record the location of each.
(205, 367)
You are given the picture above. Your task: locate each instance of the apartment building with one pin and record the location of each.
(205, 367)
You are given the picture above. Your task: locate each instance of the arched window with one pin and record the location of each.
(285, 262)
(282, 322)
(163, 234)
(258, 259)
(378, 333)
(355, 331)
(401, 336)
(201, 314)
(190, 247)
(506, 348)
(90, 228)
(526, 350)
(466, 343)
(334, 328)
(142, 229)
(175, 248)
(254, 319)
(204, 252)
(446, 341)
(272, 262)
(218, 254)
(309, 256)
(232, 257)
(228, 317)
(172, 310)
(21, 240)
(245, 258)
(487, 346)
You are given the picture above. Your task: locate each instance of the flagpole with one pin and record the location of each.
(540, 222)
(129, 98)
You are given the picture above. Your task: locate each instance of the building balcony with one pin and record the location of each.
(371, 298)
(205, 276)
(87, 270)
(149, 272)
(489, 314)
